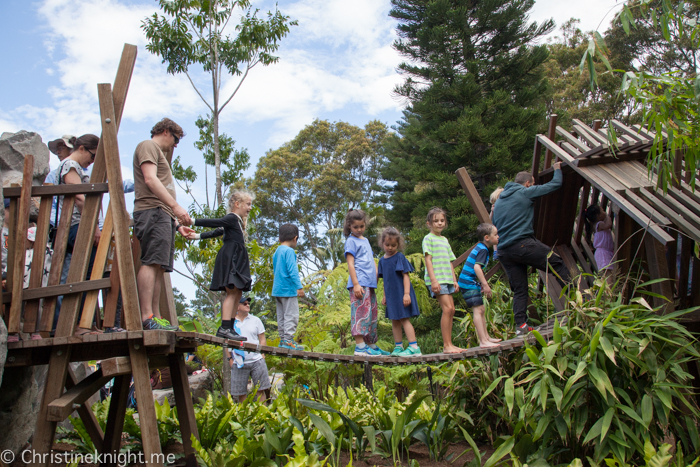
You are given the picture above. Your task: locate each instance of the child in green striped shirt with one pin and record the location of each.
(440, 275)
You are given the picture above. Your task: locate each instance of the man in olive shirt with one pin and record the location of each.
(157, 217)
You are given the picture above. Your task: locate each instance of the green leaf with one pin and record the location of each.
(607, 420)
(647, 410)
(505, 448)
(323, 428)
(492, 386)
(510, 394)
(594, 343)
(594, 432)
(539, 338)
(608, 349)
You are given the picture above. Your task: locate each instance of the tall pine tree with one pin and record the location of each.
(474, 86)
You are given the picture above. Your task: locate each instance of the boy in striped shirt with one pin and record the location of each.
(440, 275)
(472, 281)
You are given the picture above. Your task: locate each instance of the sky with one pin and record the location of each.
(337, 64)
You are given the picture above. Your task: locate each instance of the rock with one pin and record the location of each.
(3, 344)
(19, 405)
(13, 148)
(200, 385)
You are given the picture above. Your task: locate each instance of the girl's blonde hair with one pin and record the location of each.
(496, 193)
(391, 232)
(433, 212)
(239, 195)
(354, 215)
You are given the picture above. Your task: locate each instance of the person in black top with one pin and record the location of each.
(232, 266)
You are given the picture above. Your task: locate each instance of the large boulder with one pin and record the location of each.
(13, 148)
(200, 386)
(19, 405)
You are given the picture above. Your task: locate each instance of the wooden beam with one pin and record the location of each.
(551, 134)
(473, 195)
(580, 222)
(536, 156)
(572, 140)
(618, 199)
(57, 290)
(98, 269)
(684, 272)
(58, 364)
(50, 190)
(61, 408)
(185, 408)
(682, 223)
(111, 298)
(92, 426)
(147, 412)
(25, 202)
(31, 308)
(118, 366)
(115, 418)
(132, 310)
(59, 254)
(167, 300)
(658, 269)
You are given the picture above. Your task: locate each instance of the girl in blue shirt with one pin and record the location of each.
(361, 284)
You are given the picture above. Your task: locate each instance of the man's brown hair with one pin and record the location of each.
(167, 124)
(523, 177)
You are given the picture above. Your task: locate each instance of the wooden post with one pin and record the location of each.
(551, 134)
(167, 300)
(185, 408)
(368, 377)
(60, 355)
(684, 272)
(658, 269)
(88, 417)
(112, 297)
(98, 269)
(31, 307)
(536, 155)
(25, 202)
(115, 417)
(473, 195)
(580, 222)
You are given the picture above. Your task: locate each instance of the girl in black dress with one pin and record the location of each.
(232, 267)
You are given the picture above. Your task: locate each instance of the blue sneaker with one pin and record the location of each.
(381, 352)
(291, 345)
(367, 351)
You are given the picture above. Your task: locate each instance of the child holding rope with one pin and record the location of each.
(399, 296)
(232, 266)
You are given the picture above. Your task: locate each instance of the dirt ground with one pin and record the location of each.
(417, 452)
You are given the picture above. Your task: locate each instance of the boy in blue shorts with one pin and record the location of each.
(472, 281)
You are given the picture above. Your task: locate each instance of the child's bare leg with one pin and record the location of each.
(396, 330)
(359, 340)
(233, 296)
(408, 329)
(480, 326)
(448, 313)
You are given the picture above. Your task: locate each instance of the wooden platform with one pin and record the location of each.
(158, 343)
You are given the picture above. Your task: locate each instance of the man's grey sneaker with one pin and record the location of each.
(229, 334)
(523, 330)
(152, 325)
(166, 324)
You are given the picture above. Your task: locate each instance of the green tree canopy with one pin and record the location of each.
(474, 86)
(196, 34)
(314, 179)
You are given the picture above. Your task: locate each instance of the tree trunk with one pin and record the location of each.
(217, 155)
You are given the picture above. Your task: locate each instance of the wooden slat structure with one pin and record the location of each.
(652, 229)
(162, 346)
(62, 392)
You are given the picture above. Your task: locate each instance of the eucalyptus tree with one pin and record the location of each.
(196, 32)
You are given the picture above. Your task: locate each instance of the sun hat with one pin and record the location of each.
(53, 145)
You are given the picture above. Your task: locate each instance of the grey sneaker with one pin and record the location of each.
(523, 330)
(153, 325)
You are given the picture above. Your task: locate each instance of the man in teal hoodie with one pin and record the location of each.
(518, 249)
